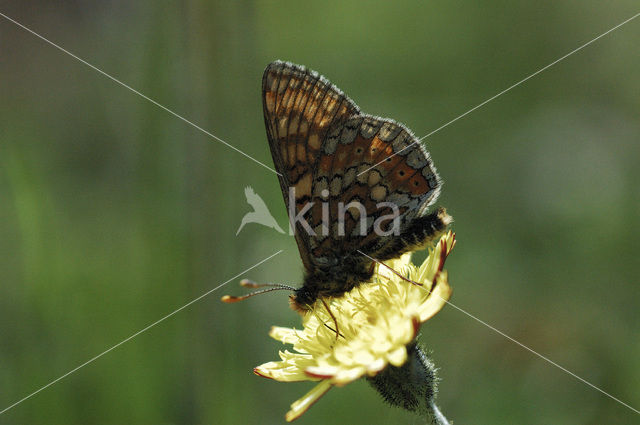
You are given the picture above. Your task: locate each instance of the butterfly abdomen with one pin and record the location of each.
(422, 231)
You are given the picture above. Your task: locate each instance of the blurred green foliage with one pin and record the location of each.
(114, 213)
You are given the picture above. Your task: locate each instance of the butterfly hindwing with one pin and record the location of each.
(358, 165)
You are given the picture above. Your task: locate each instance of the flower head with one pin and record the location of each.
(377, 320)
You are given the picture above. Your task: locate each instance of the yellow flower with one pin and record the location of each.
(376, 322)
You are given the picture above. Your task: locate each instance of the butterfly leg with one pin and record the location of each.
(326, 306)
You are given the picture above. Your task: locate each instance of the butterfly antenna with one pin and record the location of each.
(406, 279)
(246, 283)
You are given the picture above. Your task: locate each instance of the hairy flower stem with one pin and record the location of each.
(412, 386)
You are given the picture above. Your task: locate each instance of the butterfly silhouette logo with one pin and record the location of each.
(260, 213)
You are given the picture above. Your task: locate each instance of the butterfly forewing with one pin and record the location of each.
(299, 107)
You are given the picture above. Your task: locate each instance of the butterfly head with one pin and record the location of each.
(303, 299)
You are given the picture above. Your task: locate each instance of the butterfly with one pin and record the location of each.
(357, 187)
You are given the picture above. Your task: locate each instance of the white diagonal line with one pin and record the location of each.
(138, 333)
(213, 136)
(519, 343)
(505, 90)
(541, 356)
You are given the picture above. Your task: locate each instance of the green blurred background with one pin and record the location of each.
(113, 213)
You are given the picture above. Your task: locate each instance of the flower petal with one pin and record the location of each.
(438, 298)
(303, 404)
(345, 376)
(398, 356)
(290, 369)
(285, 335)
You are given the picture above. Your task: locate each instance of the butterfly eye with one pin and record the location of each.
(388, 159)
(373, 150)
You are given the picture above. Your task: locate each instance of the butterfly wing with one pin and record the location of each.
(300, 107)
(379, 164)
(333, 155)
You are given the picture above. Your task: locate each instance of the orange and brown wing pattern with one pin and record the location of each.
(407, 180)
(299, 108)
(331, 155)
